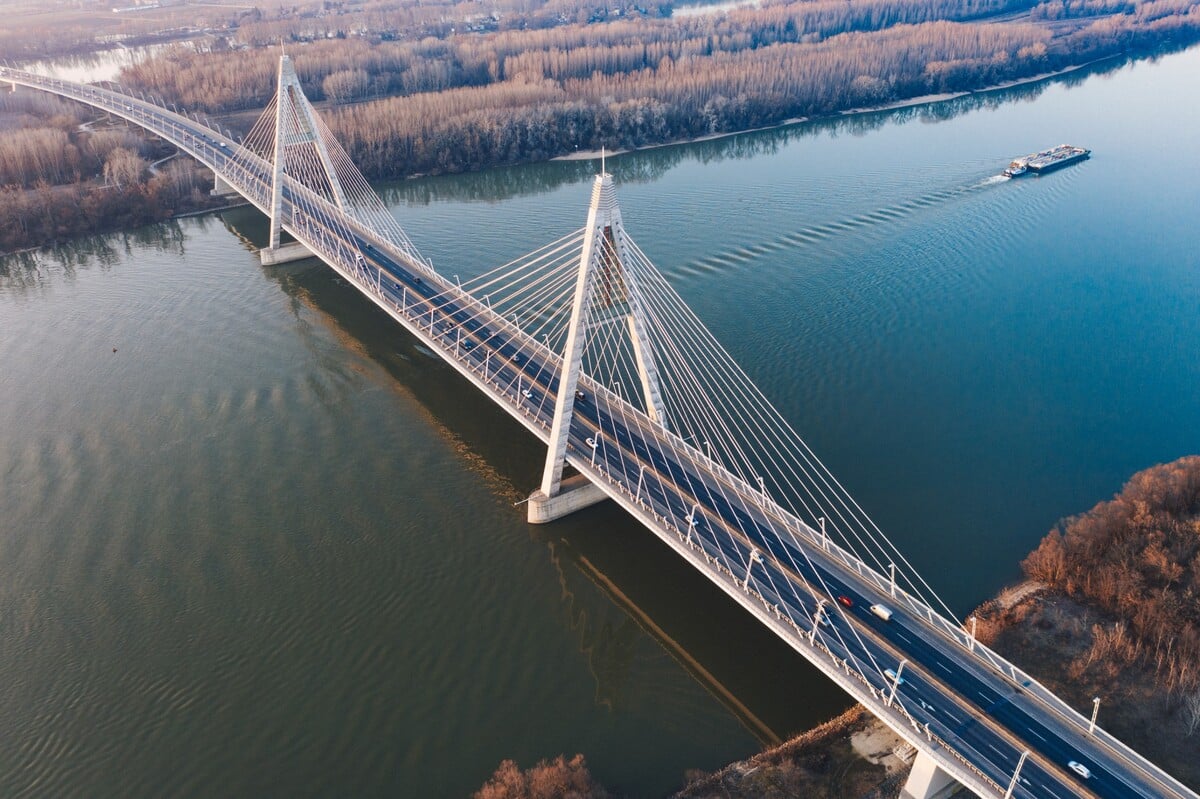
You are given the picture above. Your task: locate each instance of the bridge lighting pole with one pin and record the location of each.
(637, 497)
(892, 569)
(595, 446)
(971, 644)
(762, 486)
(812, 634)
(691, 519)
(824, 535)
(1095, 712)
(896, 682)
(1016, 775)
(755, 557)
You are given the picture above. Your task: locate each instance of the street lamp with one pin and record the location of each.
(692, 520)
(1095, 712)
(755, 557)
(896, 682)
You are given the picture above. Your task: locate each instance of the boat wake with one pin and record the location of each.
(743, 254)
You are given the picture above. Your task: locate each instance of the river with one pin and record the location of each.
(253, 541)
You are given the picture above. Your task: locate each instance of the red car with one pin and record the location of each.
(845, 600)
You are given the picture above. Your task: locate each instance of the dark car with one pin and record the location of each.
(845, 600)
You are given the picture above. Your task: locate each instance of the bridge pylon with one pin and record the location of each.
(606, 292)
(299, 143)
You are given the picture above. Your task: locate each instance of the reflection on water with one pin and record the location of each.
(98, 66)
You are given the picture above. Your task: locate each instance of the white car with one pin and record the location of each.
(1080, 769)
(894, 677)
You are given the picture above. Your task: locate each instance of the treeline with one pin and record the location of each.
(58, 179)
(356, 68)
(470, 102)
(48, 214)
(549, 779)
(527, 118)
(1136, 556)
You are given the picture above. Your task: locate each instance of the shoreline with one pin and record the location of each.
(911, 102)
(1073, 637)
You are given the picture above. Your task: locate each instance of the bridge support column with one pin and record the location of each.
(284, 253)
(574, 493)
(928, 781)
(221, 188)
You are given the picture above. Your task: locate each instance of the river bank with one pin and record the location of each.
(1063, 635)
(912, 102)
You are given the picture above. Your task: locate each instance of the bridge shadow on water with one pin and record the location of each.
(599, 551)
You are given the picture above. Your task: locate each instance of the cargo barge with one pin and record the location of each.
(1046, 160)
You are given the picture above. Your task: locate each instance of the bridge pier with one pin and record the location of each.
(221, 188)
(284, 253)
(574, 493)
(928, 781)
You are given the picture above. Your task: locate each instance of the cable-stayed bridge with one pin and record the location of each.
(585, 343)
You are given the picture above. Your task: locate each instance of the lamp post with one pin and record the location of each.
(1016, 775)
(896, 682)
(755, 557)
(1095, 712)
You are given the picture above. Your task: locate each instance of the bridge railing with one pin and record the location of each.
(854, 676)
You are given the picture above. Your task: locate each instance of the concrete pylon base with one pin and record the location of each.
(221, 188)
(575, 493)
(284, 253)
(927, 781)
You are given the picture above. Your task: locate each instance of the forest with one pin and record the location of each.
(59, 179)
(468, 100)
(1136, 557)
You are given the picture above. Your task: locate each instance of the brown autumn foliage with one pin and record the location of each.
(58, 180)
(549, 779)
(465, 102)
(1136, 557)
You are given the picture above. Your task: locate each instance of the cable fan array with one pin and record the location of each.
(306, 139)
(712, 407)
